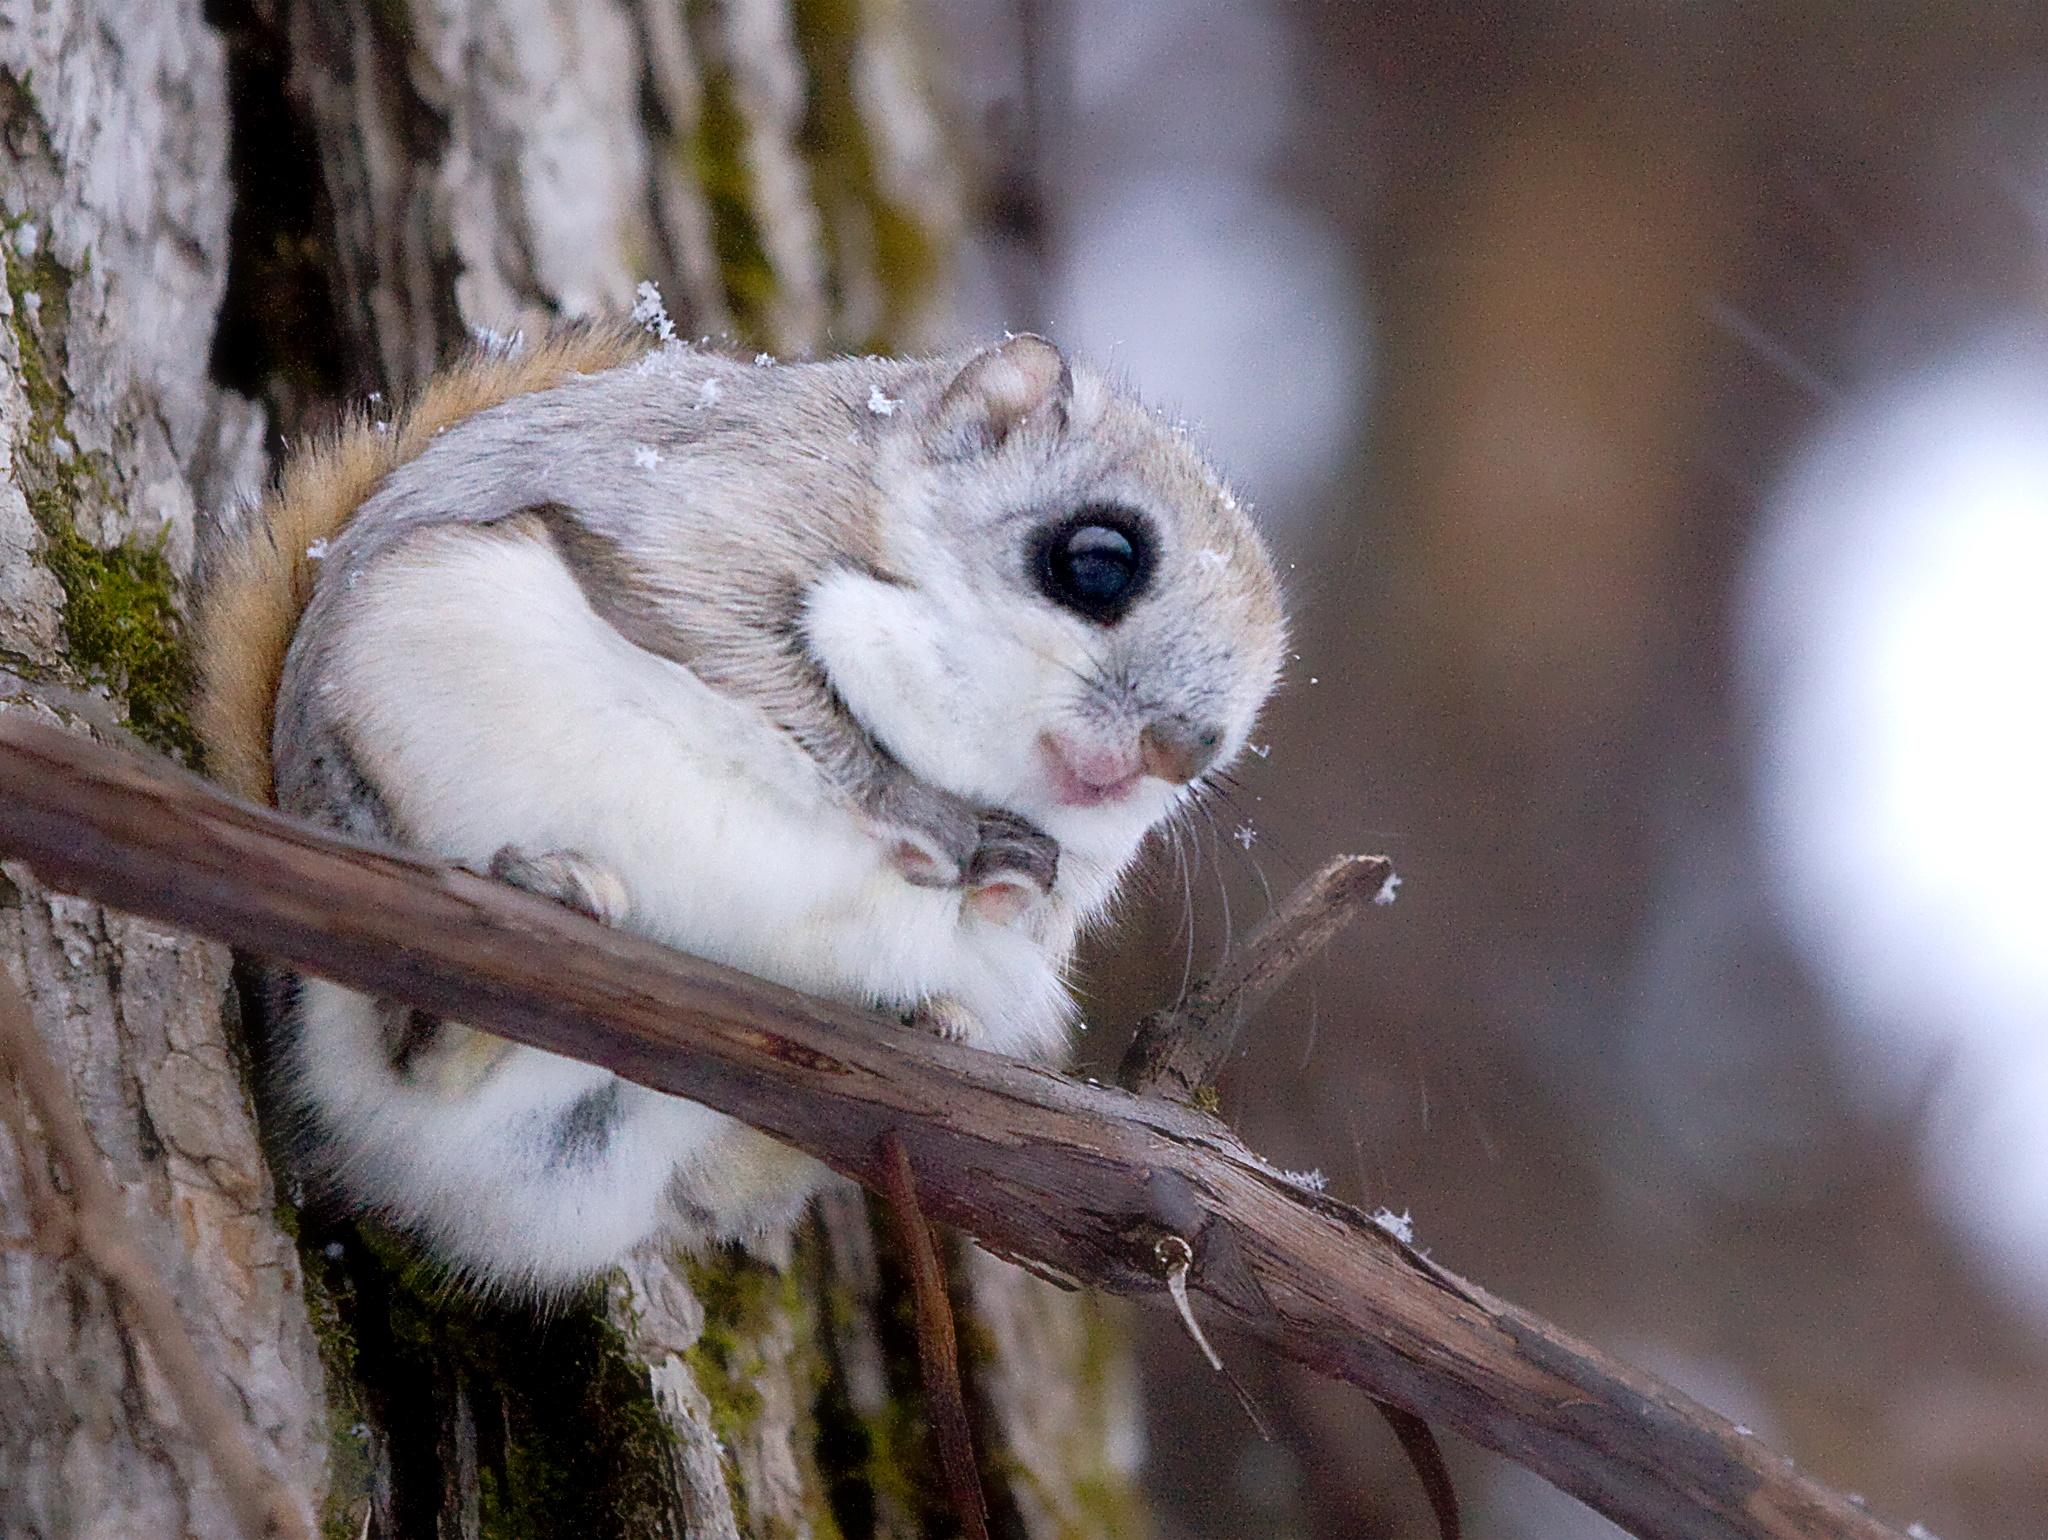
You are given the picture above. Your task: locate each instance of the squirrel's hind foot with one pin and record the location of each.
(946, 1018)
(566, 878)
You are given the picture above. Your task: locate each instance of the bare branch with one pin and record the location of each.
(1078, 1181)
(1179, 1050)
(92, 1224)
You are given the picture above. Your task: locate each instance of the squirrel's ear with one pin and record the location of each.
(1020, 382)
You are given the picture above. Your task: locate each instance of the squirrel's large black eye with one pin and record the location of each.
(1095, 563)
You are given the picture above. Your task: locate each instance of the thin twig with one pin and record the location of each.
(1426, 1456)
(92, 1224)
(1178, 1051)
(1076, 1180)
(938, 1347)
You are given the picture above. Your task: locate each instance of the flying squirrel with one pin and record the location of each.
(868, 676)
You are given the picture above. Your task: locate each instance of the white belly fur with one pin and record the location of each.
(493, 707)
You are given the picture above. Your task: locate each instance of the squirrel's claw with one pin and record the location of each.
(1012, 869)
(944, 1017)
(1013, 849)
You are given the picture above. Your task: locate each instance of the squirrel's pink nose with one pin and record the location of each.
(1177, 749)
(1094, 764)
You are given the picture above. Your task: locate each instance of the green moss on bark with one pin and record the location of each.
(862, 223)
(716, 153)
(122, 626)
(754, 1314)
(741, 1298)
(554, 1414)
(121, 622)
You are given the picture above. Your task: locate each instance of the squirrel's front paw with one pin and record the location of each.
(1005, 863)
(931, 835)
(1014, 865)
(571, 880)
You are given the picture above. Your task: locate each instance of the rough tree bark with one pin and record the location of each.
(114, 191)
(403, 172)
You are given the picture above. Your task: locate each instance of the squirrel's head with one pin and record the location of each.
(1070, 616)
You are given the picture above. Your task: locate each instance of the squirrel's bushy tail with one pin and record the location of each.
(259, 578)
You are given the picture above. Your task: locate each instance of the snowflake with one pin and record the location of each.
(317, 551)
(649, 312)
(1401, 1226)
(496, 343)
(1389, 890)
(881, 405)
(646, 456)
(707, 394)
(763, 360)
(1245, 835)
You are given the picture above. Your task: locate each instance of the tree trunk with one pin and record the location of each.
(401, 173)
(116, 220)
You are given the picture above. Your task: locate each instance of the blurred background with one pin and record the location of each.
(1650, 407)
